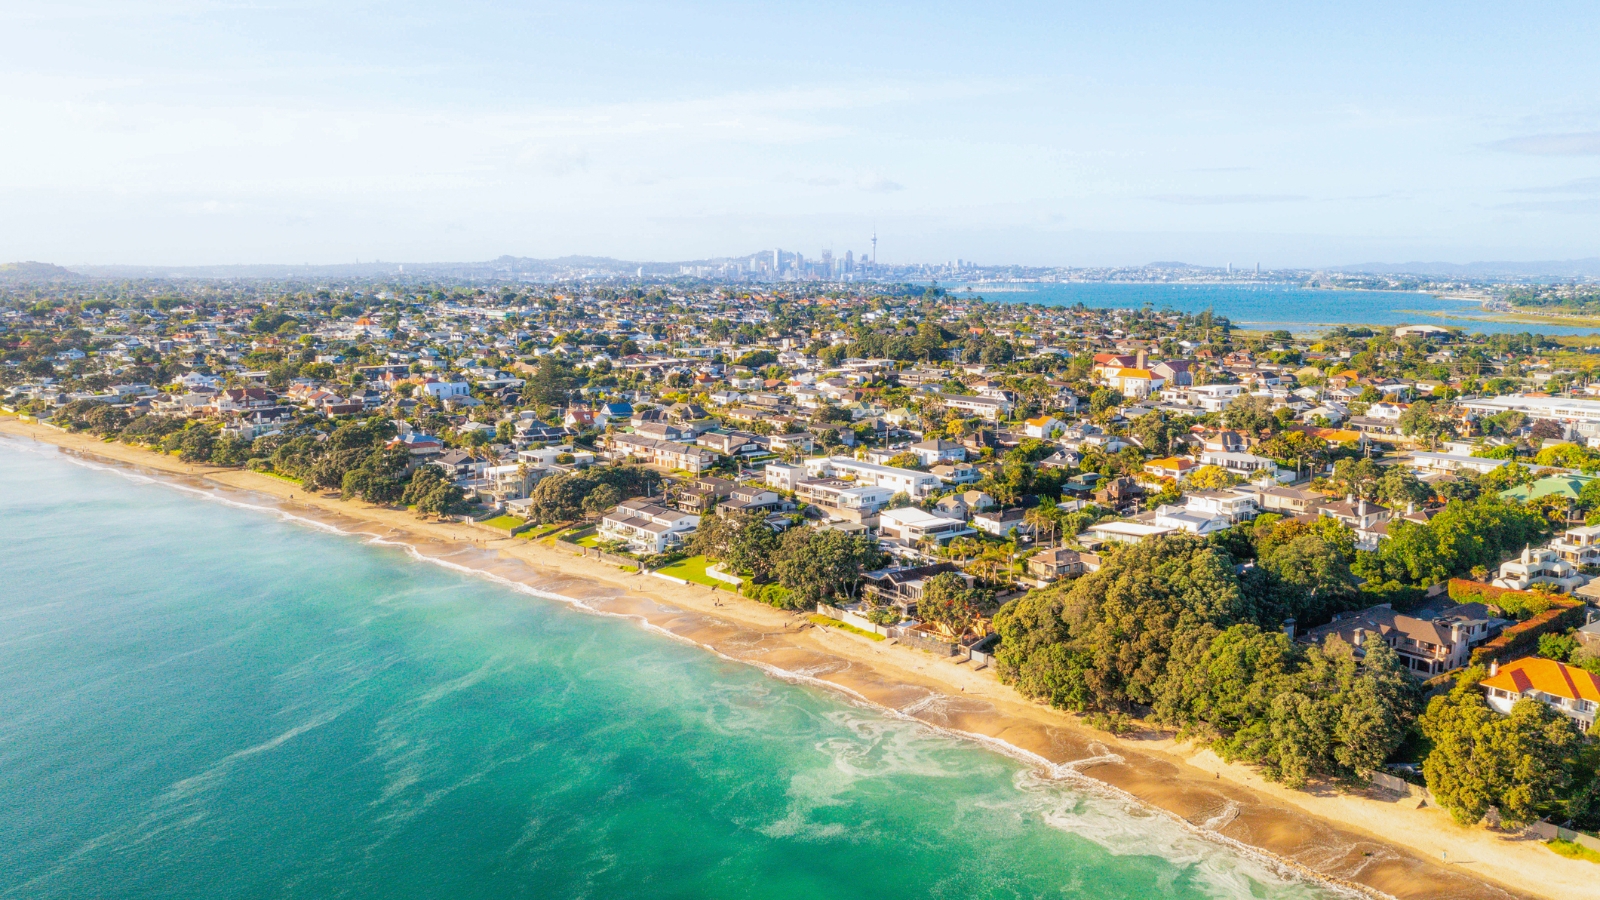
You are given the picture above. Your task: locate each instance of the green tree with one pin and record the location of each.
(817, 564)
(1519, 764)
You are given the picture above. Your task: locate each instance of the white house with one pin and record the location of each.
(909, 525)
(1539, 567)
(909, 481)
(646, 527)
(444, 390)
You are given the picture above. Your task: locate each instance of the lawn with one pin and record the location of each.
(1573, 850)
(694, 569)
(592, 541)
(504, 523)
(543, 531)
(842, 626)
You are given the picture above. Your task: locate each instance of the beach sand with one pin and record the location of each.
(1369, 841)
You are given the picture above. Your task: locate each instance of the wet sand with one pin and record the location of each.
(1368, 841)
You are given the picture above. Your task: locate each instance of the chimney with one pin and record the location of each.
(1288, 628)
(1360, 636)
(1411, 507)
(1494, 667)
(1139, 360)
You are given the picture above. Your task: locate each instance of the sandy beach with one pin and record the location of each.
(1369, 841)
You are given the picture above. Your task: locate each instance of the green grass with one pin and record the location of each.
(504, 523)
(694, 569)
(543, 531)
(592, 541)
(1573, 850)
(281, 477)
(818, 619)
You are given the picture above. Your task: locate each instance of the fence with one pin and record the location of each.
(979, 652)
(1550, 832)
(852, 619)
(717, 573)
(922, 641)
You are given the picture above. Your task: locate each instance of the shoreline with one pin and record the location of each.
(1366, 842)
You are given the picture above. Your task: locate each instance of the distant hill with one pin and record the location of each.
(35, 271)
(1566, 268)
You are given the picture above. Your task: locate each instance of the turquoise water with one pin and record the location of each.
(1267, 305)
(204, 701)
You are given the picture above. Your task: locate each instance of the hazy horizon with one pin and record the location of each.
(197, 133)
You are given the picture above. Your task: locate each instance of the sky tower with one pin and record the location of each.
(874, 247)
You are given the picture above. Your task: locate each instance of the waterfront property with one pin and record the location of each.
(647, 527)
(1569, 690)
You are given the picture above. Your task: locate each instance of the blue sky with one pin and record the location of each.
(1060, 133)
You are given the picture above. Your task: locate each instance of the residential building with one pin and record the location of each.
(935, 452)
(1245, 465)
(1427, 645)
(1051, 565)
(646, 527)
(1569, 690)
(1127, 532)
(992, 408)
(672, 455)
(909, 526)
(1539, 567)
(908, 481)
(835, 495)
(1183, 518)
(1579, 546)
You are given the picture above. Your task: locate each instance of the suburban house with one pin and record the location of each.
(1002, 522)
(1427, 646)
(1051, 565)
(783, 477)
(908, 481)
(1569, 690)
(1043, 427)
(909, 525)
(1234, 507)
(934, 452)
(844, 499)
(1579, 546)
(1127, 532)
(1539, 567)
(991, 408)
(1184, 518)
(672, 455)
(1245, 465)
(1133, 383)
(1175, 467)
(901, 586)
(647, 527)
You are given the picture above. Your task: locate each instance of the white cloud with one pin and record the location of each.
(1579, 143)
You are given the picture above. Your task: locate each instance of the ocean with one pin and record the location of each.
(1268, 306)
(204, 700)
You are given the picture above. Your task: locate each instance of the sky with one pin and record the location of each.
(1086, 134)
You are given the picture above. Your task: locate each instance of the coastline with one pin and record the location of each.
(1363, 842)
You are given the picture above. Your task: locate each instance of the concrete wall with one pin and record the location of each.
(1547, 831)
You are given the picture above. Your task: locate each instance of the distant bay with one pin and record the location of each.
(1267, 306)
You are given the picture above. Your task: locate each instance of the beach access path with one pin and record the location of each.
(1370, 841)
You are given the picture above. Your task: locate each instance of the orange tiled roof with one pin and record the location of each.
(1171, 462)
(1547, 676)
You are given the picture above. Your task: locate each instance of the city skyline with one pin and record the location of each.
(201, 133)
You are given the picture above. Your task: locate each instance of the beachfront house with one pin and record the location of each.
(647, 528)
